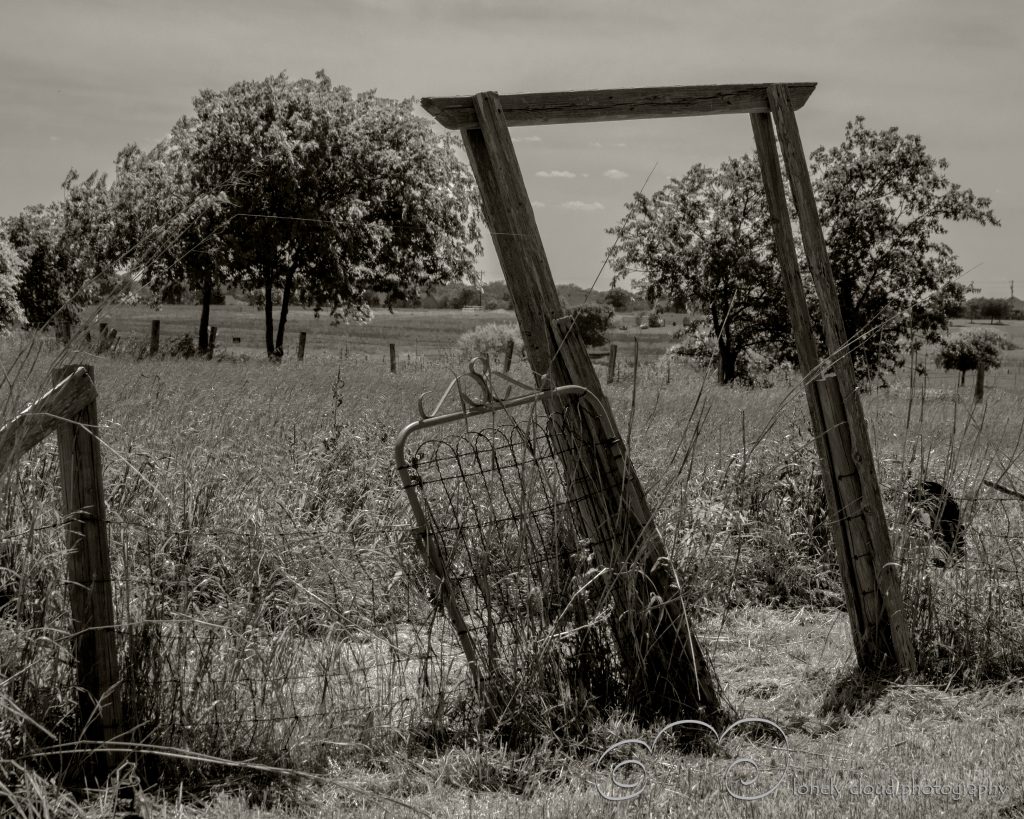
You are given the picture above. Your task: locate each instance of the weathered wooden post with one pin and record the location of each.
(89, 589)
(103, 329)
(613, 353)
(213, 342)
(859, 529)
(510, 349)
(301, 353)
(394, 357)
(979, 384)
(670, 675)
(154, 336)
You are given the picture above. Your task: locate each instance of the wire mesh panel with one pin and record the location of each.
(499, 490)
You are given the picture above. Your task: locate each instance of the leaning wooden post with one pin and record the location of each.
(213, 342)
(154, 336)
(670, 675)
(301, 352)
(89, 589)
(394, 357)
(979, 384)
(874, 600)
(613, 353)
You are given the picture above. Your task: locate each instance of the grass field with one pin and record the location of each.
(271, 614)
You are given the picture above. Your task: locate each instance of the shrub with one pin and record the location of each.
(182, 347)
(11, 265)
(592, 322)
(489, 339)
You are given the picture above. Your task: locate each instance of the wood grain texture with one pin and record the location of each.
(860, 452)
(561, 107)
(72, 394)
(89, 588)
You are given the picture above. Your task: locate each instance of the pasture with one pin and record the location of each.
(272, 614)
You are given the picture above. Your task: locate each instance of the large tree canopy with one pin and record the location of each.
(884, 204)
(331, 195)
(704, 240)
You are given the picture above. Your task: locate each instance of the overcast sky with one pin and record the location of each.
(78, 80)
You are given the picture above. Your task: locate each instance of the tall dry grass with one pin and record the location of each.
(271, 607)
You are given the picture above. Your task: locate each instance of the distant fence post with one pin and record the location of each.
(64, 330)
(613, 354)
(394, 362)
(92, 603)
(302, 346)
(213, 342)
(510, 348)
(979, 384)
(154, 336)
(103, 328)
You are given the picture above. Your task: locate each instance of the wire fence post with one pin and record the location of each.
(89, 588)
(301, 353)
(213, 342)
(394, 357)
(613, 354)
(154, 336)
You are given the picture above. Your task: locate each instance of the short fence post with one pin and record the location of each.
(302, 346)
(613, 354)
(103, 328)
(89, 590)
(394, 362)
(510, 348)
(979, 385)
(154, 336)
(213, 342)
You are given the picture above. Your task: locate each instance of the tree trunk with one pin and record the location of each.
(268, 310)
(286, 297)
(726, 362)
(963, 377)
(204, 316)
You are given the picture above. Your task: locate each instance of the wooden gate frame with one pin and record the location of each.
(69, 410)
(859, 528)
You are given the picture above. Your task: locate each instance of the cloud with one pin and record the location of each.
(595, 144)
(619, 145)
(538, 204)
(612, 173)
(556, 174)
(578, 205)
(526, 139)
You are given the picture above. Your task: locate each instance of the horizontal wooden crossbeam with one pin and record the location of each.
(33, 424)
(561, 107)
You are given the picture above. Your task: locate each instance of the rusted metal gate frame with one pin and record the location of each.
(860, 532)
(481, 376)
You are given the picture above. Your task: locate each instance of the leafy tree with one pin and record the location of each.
(592, 322)
(169, 227)
(11, 265)
(884, 203)
(706, 239)
(971, 350)
(331, 194)
(618, 299)
(65, 246)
